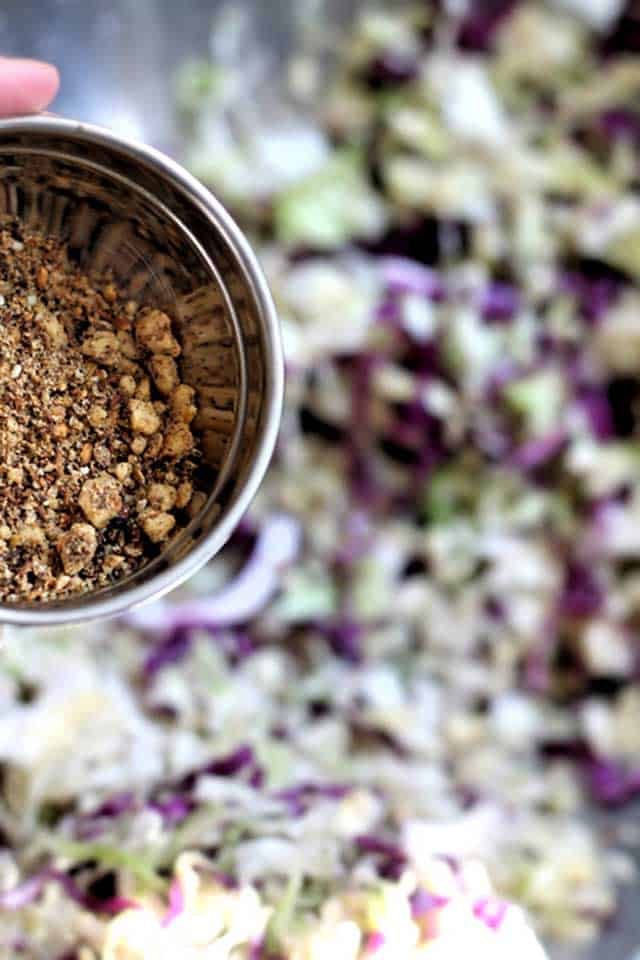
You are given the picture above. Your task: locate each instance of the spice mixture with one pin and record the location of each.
(97, 456)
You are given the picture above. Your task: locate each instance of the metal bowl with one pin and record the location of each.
(127, 208)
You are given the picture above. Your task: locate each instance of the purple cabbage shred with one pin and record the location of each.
(227, 766)
(611, 784)
(299, 797)
(169, 650)
(539, 451)
(176, 904)
(595, 405)
(393, 859)
(491, 911)
(500, 303)
(582, 595)
(390, 69)
(595, 294)
(173, 810)
(375, 941)
(30, 890)
(477, 30)
(423, 903)
(404, 276)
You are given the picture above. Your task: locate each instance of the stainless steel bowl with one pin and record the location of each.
(126, 207)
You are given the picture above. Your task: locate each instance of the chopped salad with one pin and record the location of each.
(378, 724)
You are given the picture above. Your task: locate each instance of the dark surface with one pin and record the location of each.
(118, 61)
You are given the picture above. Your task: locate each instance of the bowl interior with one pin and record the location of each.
(121, 210)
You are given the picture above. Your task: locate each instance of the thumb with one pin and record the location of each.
(26, 86)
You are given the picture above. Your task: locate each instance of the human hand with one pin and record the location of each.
(26, 86)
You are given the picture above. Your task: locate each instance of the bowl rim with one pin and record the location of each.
(196, 193)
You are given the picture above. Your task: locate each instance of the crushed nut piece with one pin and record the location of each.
(144, 418)
(29, 536)
(127, 345)
(165, 373)
(97, 416)
(139, 445)
(161, 496)
(154, 446)
(183, 404)
(95, 472)
(77, 547)
(100, 500)
(183, 495)
(157, 526)
(127, 384)
(122, 471)
(52, 327)
(143, 389)
(178, 440)
(112, 563)
(102, 347)
(153, 333)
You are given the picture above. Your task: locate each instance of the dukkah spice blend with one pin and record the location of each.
(98, 459)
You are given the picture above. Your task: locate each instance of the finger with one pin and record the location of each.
(26, 86)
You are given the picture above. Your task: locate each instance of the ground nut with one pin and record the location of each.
(112, 563)
(143, 390)
(97, 416)
(157, 526)
(161, 496)
(127, 345)
(122, 471)
(178, 440)
(165, 373)
(183, 495)
(144, 418)
(15, 474)
(183, 406)
(77, 547)
(89, 487)
(53, 328)
(139, 444)
(100, 500)
(127, 385)
(30, 535)
(129, 367)
(102, 347)
(155, 446)
(153, 333)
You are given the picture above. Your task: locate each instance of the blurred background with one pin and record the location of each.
(137, 66)
(120, 60)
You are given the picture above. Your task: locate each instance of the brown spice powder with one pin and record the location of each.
(97, 455)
